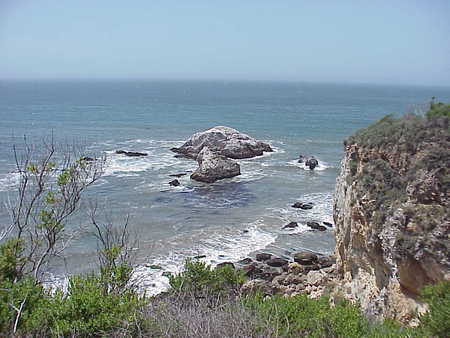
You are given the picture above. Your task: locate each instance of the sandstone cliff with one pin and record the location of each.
(392, 214)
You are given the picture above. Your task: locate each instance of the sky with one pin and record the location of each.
(360, 41)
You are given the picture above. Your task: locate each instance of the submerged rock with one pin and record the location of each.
(130, 153)
(214, 167)
(301, 205)
(178, 175)
(225, 141)
(316, 226)
(290, 225)
(174, 183)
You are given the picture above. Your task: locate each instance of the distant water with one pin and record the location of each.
(199, 219)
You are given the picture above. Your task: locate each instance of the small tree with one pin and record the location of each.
(52, 180)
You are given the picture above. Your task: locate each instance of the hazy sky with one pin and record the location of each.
(394, 41)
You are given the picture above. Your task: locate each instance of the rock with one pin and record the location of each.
(301, 159)
(276, 262)
(316, 226)
(326, 261)
(270, 272)
(225, 141)
(88, 159)
(263, 256)
(178, 175)
(245, 231)
(199, 257)
(252, 270)
(295, 268)
(167, 274)
(305, 258)
(130, 153)
(311, 163)
(154, 266)
(213, 167)
(174, 183)
(256, 285)
(224, 264)
(245, 261)
(328, 224)
(290, 225)
(316, 278)
(301, 205)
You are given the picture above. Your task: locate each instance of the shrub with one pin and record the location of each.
(87, 309)
(436, 322)
(201, 277)
(301, 316)
(438, 110)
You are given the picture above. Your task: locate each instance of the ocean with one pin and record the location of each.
(224, 221)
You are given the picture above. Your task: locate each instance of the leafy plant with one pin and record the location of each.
(436, 322)
(198, 276)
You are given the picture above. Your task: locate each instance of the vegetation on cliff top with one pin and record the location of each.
(403, 151)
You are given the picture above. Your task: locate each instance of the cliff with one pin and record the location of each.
(392, 214)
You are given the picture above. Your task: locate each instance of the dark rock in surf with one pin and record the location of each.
(316, 226)
(88, 159)
(174, 183)
(262, 256)
(277, 262)
(328, 224)
(178, 175)
(290, 225)
(130, 153)
(311, 163)
(245, 261)
(301, 205)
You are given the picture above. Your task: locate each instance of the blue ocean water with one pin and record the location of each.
(199, 219)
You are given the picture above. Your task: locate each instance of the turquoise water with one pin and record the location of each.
(172, 223)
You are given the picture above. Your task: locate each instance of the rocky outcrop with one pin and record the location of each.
(391, 214)
(214, 167)
(224, 141)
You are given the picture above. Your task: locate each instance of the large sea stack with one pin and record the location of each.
(224, 141)
(392, 214)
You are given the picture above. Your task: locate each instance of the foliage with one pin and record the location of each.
(198, 276)
(438, 110)
(436, 322)
(11, 256)
(301, 316)
(88, 309)
(19, 302)
(52, 180)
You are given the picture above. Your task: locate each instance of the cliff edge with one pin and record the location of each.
(392, 214)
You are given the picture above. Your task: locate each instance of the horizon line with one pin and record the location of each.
(156, 79)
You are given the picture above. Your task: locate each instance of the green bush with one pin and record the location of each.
(438, 110)
(25, 296)
(10, 258)
(87, 309)
(436, 322)
(198, 277)
(301, 316)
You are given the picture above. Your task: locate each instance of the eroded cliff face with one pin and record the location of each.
(391, 213)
